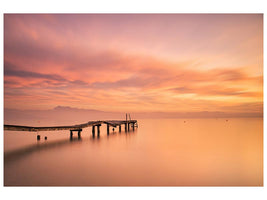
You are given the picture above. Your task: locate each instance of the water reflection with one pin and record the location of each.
(19, 153)
(25, 151)
(163, 152)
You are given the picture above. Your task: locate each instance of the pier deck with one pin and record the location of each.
(78, 128)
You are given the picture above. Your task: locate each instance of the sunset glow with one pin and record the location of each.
(134, 63)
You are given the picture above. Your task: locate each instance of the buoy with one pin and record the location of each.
(38, 137)
(113, 129)
(45, 137)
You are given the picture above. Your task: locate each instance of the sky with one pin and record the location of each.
(134, 62)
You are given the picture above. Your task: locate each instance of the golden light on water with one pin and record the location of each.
(194, 82)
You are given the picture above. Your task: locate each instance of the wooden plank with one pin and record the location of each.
(52, 128)
(74, 127)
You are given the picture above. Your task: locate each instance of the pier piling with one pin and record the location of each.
(98, 130)
(93, 131)
(71, 134)
(108, 129)
(125, 127)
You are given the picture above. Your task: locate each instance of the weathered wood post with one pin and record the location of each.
(108, 129)
(38, 137)
(125, 127)
(79, 133)
(98, 130)
(129, 126)
(71, 134)
(119, 128)
(126, 124)
(133, 125)
(93, 131)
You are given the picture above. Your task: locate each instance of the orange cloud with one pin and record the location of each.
(134, 62)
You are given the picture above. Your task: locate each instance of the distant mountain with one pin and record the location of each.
(68, 108)
(65, 115)
(60, 115)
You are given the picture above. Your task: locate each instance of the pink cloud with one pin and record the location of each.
(140, 62)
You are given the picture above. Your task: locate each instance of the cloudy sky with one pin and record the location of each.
(134, 63)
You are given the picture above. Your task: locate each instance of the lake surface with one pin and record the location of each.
(160, 152)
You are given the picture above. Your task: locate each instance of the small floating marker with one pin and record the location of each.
(38, 137)
(45, 137)
(227, 120)
(113, 129)
(184, 121)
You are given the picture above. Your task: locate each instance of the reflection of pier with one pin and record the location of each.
(13, 155)
(78, 128)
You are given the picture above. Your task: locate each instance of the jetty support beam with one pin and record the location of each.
(71, 134)
(93, 131)
(98, 130)
(78, 131)
(108, 129)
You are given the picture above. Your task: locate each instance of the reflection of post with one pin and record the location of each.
(108, 129)
(93, 131)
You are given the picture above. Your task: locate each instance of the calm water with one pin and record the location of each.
(161, 152)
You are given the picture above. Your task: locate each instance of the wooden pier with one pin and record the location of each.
(77, 128)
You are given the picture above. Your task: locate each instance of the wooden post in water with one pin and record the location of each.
(125, 127)
(93, 131)
(79, 133)
(119, 128)
(71, 134)
(38, 137)
(108, 129)
(133, 125)
(129, 126)
(98, 130)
